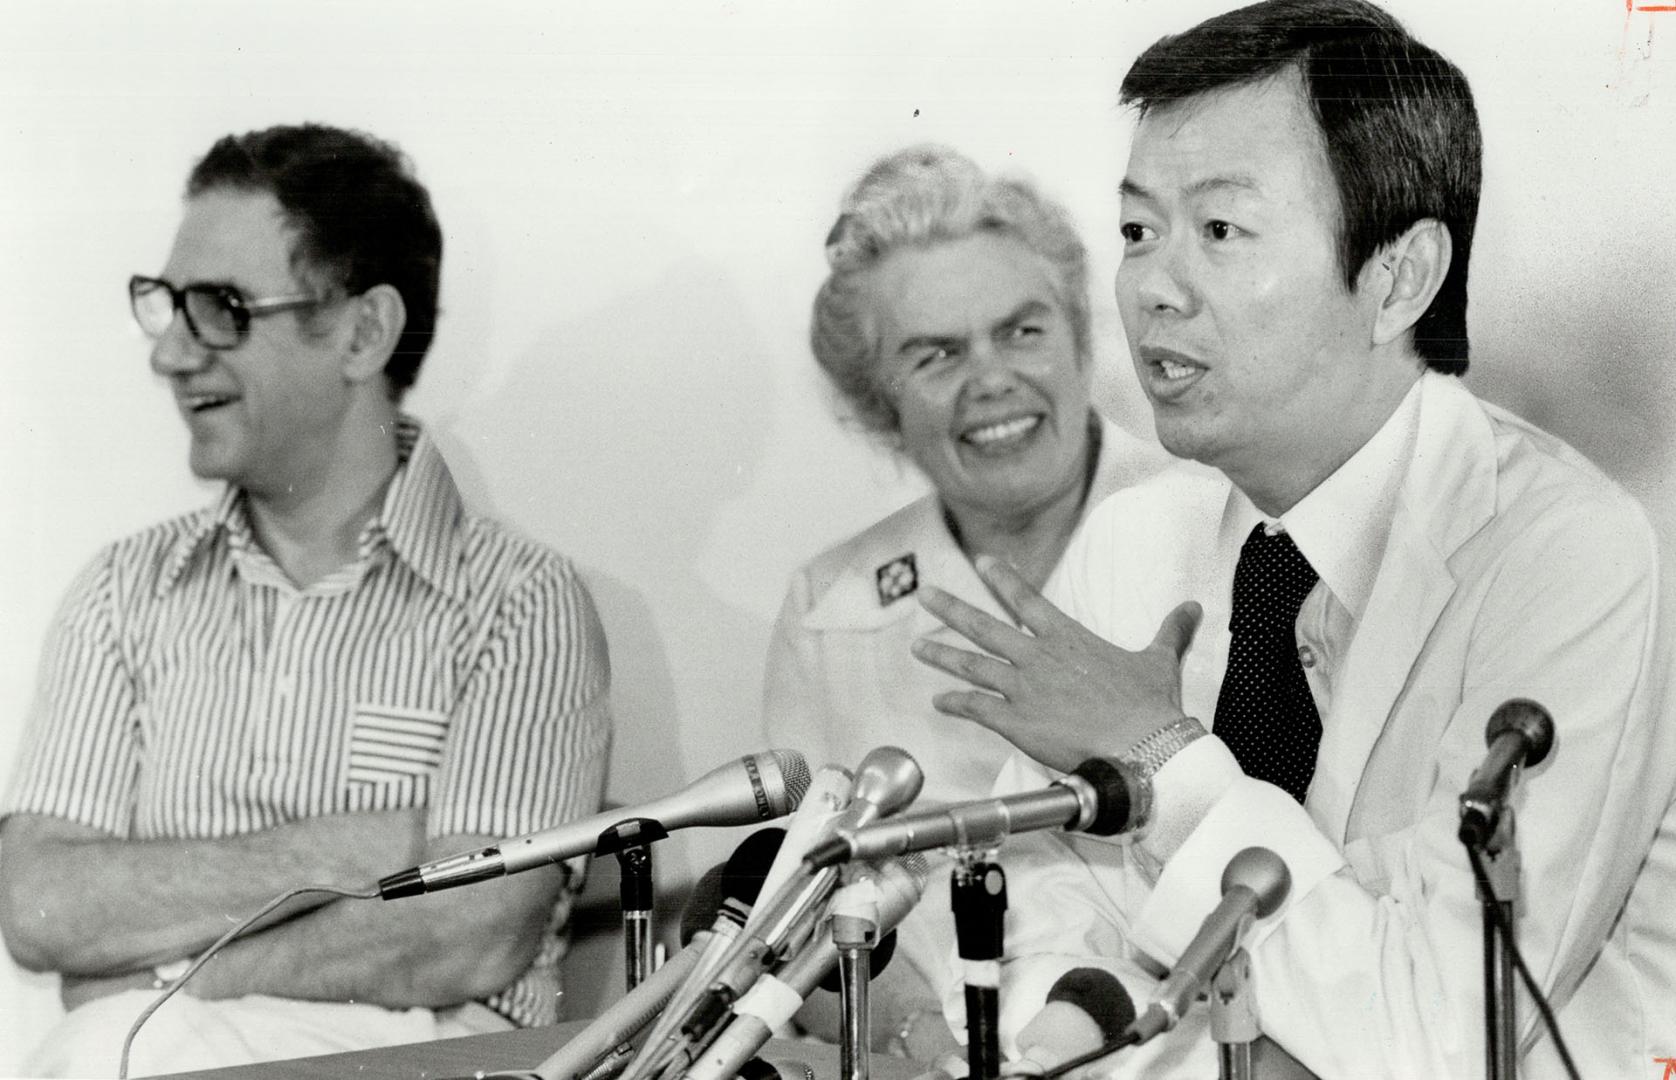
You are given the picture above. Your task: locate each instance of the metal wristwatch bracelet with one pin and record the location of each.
(1149, 755)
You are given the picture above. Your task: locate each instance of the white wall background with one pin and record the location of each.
(634, 198)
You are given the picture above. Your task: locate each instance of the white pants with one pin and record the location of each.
(187, 1033)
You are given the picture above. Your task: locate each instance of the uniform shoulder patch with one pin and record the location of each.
(897, 578)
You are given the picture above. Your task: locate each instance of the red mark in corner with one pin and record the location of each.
(1669, 1067)
(1633, 6)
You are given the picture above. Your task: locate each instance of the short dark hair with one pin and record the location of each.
(1398, 120)
(360, 216)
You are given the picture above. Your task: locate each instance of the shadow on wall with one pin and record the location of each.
(617, 439)
(1603, 381)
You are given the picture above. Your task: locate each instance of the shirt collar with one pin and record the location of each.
(848, 598)
(1342, 526)
(417, 519)
(226, 514)
(421, 512)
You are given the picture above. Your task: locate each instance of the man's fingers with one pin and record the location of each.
(1177, 630)
(975, 668)
(974, 705)
(979, 627)
(1018, 596)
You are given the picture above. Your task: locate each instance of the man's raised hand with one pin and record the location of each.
(1054, 689)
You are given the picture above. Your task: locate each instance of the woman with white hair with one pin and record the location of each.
(955, 326)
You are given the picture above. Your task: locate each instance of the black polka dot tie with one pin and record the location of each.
(1265, 712)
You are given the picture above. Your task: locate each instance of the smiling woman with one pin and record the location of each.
(955, 325)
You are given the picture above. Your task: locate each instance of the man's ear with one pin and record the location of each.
(380, 318)
(1407, 274)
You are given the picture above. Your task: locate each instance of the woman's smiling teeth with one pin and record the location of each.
(1174, 370)
(991, 436)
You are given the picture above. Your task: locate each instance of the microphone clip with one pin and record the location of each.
(634, 832)
(631, 841)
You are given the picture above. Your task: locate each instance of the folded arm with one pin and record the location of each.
(527, 743)
(434, 951)
(77, 900)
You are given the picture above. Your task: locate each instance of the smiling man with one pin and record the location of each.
(333, 672)
(1379, 562)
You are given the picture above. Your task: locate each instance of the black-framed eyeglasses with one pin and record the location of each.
(218, 315)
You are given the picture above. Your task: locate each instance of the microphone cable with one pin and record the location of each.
(1505, 930)
(1128, 1038)
(220, 943)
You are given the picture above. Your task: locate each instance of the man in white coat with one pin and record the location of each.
(1297, 217)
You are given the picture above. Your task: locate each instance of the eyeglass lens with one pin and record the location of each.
(211, 314)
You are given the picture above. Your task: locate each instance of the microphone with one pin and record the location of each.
(828, 793)
(758, 1069)
(1254, 885)
(1086, 1009)
(738, 883)
(703, 903)
(721, 901)
(878, 960)
(1101, 796)
(1520, 733)
(725, 892)
(624, 1017)
(887, 780)
(757, 787)
(775, 997)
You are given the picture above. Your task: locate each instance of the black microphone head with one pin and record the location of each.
(706, 898)
(1527, 718)
(1101, 995)
(1115, 795)
(882, 953)
(731, 886)
(758, 1069)
(748, 866)
(1264, 873)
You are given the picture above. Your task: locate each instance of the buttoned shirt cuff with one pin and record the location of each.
(1183, 791)
(1248, 813)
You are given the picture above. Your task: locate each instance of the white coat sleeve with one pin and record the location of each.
(1375, 970)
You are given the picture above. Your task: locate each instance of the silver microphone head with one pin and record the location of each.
(887, 779)
(785, 778)
(1264, 873)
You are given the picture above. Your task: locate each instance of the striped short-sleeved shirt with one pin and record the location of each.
(190, 691)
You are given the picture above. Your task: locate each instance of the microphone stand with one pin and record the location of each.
(855, 930)
(1500, 854)
(978, 895)
(1233, 1016)
(631, 841)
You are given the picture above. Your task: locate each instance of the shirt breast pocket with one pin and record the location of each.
(393, 754)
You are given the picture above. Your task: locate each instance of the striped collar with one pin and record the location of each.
(418, 519)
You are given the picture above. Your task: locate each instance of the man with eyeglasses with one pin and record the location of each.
(333, 672)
